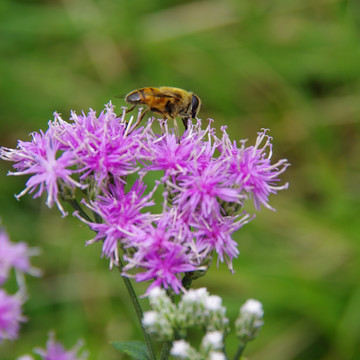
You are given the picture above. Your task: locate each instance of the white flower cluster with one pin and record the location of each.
(198, 309)
(249, 321)
(160, 320)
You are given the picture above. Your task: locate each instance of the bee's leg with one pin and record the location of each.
(130, 109)
(140, 118)
(186, 122)
(176, 128)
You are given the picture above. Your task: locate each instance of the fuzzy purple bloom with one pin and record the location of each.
(12, 255)
(200, 191)
(10, 315)
(174, 156)
(102, 145)
(162, 253)
(165, 267)
(215, 235)
(121, 215)
(251, 168)
(56, 351)
(40, 159)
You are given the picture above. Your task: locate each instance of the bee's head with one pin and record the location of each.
(133, 98)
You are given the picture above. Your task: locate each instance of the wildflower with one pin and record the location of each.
(165, 267)
(121, 215)
(162, 252)
(10, 315)
(159, 301)
(249, 321)
(251, 168)
(182, 350)
(101, 144)
(213, 340)
(40, 158)
(56, 351)
(159, 325)
(214, 234)
(175, 157)
(13, 255)
(199, 192)
(161, 320)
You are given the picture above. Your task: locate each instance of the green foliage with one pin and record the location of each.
(136, 350)
(291, 66)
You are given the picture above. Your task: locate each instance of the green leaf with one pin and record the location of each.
(135, 349)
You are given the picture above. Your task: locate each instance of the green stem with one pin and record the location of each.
(239, 351)
(130, 289)
(98, 218)
(138, 310)
(78, 208)
(165, 352)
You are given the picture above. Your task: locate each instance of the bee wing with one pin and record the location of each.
(171, 96)
(163, 92)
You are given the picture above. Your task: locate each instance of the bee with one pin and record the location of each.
(170, 102)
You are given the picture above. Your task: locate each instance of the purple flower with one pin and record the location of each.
(40, 158)
(251, 168)
(174, 156)
(10, 315)
(103, 146)
(122, 215)
(200, 191)
(165, 266)
(56, 351)
(162, 250)
(14, 255)
(214, 234)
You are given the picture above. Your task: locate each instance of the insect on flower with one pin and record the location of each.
(167, 101)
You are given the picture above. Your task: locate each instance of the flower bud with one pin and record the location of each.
(249, 321)
(182, 350)
(159, 325)
(213, 340)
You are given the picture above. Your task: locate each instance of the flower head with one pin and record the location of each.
(16, 255)
(101, 144)
(249, 321)
(10, 315)
(48, 166)
(181, 349)
(56, 351)
(122, 215)
(251, 168)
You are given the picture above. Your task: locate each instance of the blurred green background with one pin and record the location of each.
(289, 65)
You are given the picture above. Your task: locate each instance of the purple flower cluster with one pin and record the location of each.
(10, 315)
(105, 162)
(12, 255)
